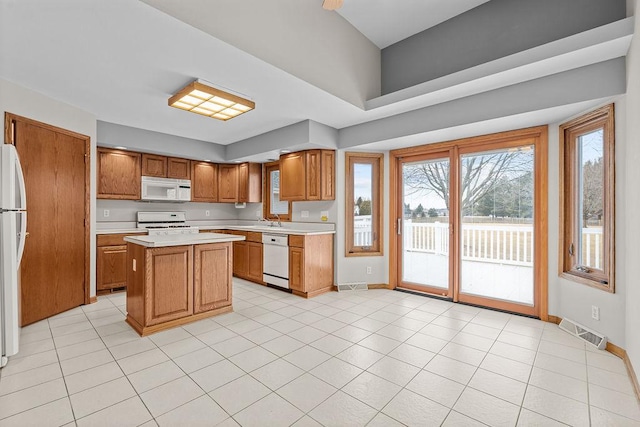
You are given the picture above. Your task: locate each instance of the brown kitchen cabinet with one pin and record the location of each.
(119, 174)
(240, 183)
(111, 262)
(247, 256)
(154, 165)
(254, 269)
(178, 168)
(171, 286)
(227, 183)
(307, 175)
(212, 281)
(250, 183)
(204, 182)
(311, 264)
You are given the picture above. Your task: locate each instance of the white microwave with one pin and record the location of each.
(166, 189)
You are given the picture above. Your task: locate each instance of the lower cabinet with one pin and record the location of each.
(254, 253)
(170, 286)
(111, 262)
(212, 264)
(311, 264)
(247, 256)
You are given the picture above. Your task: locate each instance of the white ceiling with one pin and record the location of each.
(386, 22)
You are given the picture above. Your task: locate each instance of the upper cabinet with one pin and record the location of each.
(250, 182)
(308, 175)
(165, 167)
(178, 168)
(153, 165)
(227, 183)
(240, 183)
(204, 182)
(118, 174)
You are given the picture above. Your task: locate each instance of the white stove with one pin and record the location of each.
(165, 223)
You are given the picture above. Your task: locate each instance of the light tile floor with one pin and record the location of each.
(376, 358)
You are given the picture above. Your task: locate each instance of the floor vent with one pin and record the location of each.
(355, 286)
(595, 339)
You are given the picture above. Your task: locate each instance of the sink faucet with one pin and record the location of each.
(279, 222)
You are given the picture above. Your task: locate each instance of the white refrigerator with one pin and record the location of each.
(13, 231)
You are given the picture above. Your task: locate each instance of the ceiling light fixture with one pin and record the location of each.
(203, 99)
(332, 4)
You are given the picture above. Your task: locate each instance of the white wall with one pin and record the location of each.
(27, 103)
(571, 299)
(632, 198)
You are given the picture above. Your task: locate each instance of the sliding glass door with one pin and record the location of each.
(425, 227)
(470, 224)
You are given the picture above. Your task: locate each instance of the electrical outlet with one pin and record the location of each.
(368, 270)
(324, 215)
(105, 213)
(304, 214)
(207, 213)
(258, 213)
(595, 312)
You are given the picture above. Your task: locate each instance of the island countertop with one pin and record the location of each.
(182, 239)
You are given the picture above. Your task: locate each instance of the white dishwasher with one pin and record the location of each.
(276, 260)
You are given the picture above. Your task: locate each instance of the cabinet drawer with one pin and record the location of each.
(296, 241)
(113, 239)
(253, 236)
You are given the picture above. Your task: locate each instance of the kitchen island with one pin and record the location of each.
(177, 279)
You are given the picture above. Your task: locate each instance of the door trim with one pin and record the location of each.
(9, 119)
(539, 137)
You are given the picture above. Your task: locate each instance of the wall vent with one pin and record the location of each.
(591, 337)
(355, 286)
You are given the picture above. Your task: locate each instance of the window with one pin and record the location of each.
(364, 204)
(272, 205)
(587, 199)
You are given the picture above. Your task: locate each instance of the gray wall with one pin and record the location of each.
(491, 31)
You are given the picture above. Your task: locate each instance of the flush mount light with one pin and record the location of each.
(203, 99)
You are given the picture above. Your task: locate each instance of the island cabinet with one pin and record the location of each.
(204, 182)
(311, 264)
(118, 174)
(308, 175)
(174, 285)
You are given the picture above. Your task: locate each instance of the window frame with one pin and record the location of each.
(266, 204)
(601, 118)
(377, 194)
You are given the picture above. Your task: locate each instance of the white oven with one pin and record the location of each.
(166, 189)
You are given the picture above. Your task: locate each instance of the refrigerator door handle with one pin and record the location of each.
(21, 186)
(22, 234)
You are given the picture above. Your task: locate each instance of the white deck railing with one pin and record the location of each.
(496, 243)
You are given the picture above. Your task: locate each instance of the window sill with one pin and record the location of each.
(591, 282)
(363, 254)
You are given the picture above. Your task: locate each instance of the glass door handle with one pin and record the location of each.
(399, 226)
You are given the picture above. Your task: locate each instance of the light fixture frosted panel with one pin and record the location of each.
(208, 101)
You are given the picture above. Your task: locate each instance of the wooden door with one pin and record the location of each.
(118, 174)
(169, 284)
(178, 168)
(240, 259)
(111, 267)
(293, 177)
(227, 183)
(328, 175)
(254, 267)
(212, 276)
(296, 269)
(54, 270)
(204, 182)
(313, 175)
(153, 165)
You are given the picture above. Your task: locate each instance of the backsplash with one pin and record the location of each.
(125, 210)
(313, 209)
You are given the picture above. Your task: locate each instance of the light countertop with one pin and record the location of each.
(266, 229)
(182, 239)
(122, 231)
